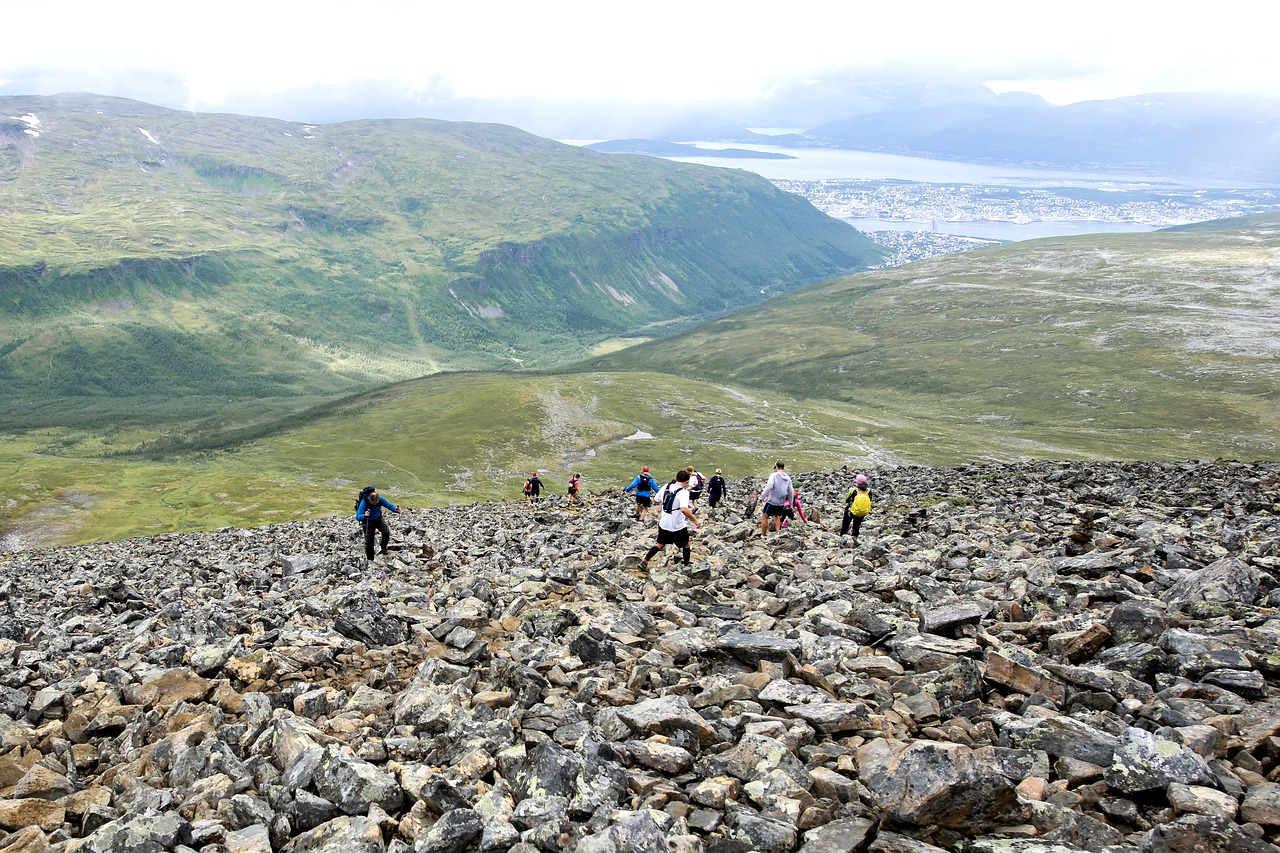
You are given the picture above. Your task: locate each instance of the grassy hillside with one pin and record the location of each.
(445, 438)
(1146, 346)
(154, 263)
(1135, 346)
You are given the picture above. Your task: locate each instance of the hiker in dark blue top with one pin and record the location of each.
(717, 490)
(644, 487)
(369, 513)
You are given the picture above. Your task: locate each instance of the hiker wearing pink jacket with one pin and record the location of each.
(794, 506)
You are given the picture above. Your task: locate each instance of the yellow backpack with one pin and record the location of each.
(861, 504)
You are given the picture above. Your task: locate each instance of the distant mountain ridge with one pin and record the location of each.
(154, 254)
(1175, 135)
(677, 149)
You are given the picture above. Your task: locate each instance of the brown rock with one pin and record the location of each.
(169, 687)
(29, 840)
(256, 666)
(495, 699)
(19, 814)
(74, 726)
(113, 719)
(42, 783)
(227, 697)
(10, 772)
(78, 803)
(1004, 670)
(1073, 646)
(1262, 804)
(1032, 788)
(1197, 799)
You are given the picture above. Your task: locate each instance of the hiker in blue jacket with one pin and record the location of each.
(369, 512)
(644, 487)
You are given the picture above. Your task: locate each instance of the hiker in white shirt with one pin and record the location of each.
(676, 516)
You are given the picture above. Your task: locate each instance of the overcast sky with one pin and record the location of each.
(235, 56)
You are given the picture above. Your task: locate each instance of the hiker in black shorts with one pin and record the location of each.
(776, 497)
(696, 483)
(677, 514)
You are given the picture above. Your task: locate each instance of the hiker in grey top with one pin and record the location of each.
(776, 496)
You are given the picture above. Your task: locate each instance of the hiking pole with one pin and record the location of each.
(364, 536)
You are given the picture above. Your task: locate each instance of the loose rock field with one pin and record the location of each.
(1034, 658)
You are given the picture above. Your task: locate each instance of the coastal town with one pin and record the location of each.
(908, 246)
(916, 201)
(922, 207)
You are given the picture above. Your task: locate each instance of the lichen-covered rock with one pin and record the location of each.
(452, 833)
(1219, 588)
(1202, 834)
(346, 834)
(361, 616)
(946, 784)
(1144, 762)
(353, 784)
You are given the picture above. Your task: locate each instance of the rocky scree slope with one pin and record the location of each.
(1031, 657)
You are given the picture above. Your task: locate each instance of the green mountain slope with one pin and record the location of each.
(157, 264)
(447, 438)
(1145, 346)
(1138, 346)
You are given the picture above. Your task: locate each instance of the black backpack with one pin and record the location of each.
(669, 500)
(364, 493)
(646, 484)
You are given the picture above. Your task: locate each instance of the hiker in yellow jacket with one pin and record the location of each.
(857, 504)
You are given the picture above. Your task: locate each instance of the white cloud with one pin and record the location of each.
(217, 53)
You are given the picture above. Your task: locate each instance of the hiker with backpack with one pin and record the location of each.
(697, 483)
(857, 506)
(776, 496)
(369, 513)
(533, 489)
(673, 524)
(644, 487)
(574, 482)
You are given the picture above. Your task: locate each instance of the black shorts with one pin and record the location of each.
(644, 500)
(679, 538)
(775, 509)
